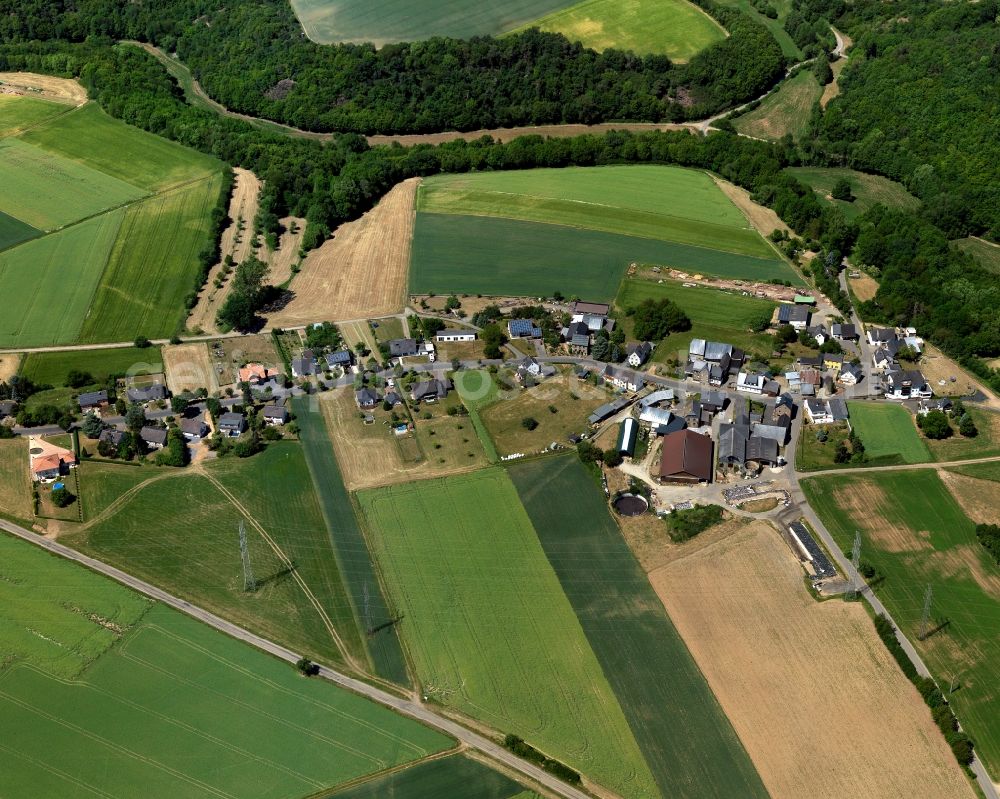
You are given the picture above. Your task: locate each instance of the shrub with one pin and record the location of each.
(935, 425)
(61, 497)
(529, 423)
(686, 524)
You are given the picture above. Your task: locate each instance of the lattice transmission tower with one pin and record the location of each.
(249, 581)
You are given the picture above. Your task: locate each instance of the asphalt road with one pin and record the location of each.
(406, 707)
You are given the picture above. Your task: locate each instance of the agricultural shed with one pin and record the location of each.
(627, 437)
(607, 410)
(686, 458)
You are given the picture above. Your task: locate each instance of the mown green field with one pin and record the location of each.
(52, 367)
(785, 111)
(488, 627)
(50, 282)
(655, 202)
(504, 257)
(650, 669)
(916, 534)
(18, 113)
(454, 776)
(888, 433)
(988, 254)
(47, 191)
(181, 532)
(153, 265)
(101, 691)
(674, 28)
(385, 21)
(867, 189)
(15, 479)
(715, 315)
(368, 604)
(14, 231)
(90, 136)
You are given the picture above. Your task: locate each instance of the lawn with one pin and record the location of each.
(888, 432)
(444, 777)
(357, 571)
(489, 629)
(785, 111)
(813, 455)
(153, 265)
(14, 231)
(181, 533)
(90, 136)
(52, 367)
(715, 316)
(389, 328)
(664, 203)
(49, 282)
(103, 691)
(916, 534)
(988, 254)
(15, 479)
(18, 113)
(867, 189)
(478, 391)
(650, 669)
(502, 257)
(385, 21)
(675, 28)
(47, 191)
(573, 400)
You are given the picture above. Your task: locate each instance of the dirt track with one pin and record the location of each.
(362, 271)
(763, 219)
(813, 694)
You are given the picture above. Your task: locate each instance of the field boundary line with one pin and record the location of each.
(57, 771)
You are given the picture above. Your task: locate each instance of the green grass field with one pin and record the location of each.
(91, 137)
(153, 265)
(48, 191)
(715, 315)
(101, 691)
(49, 283)
(180, 532)
(988, 254)
(52, 367)
(385, 21)
(650, 669)
(916, 534)
(785, 111)
(674, 28)
(482, 255)
(18, 113)
(350, 547)
(478, 391)
(888, 433)
(15, 480)
(489, 628)
(868, 189)
(654, 202)
(14, 231)
(454, 776)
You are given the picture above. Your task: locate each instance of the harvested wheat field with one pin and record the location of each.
(235, 241)
(864, 286)
(361, 272)
(763, 219)
(939, 370)
(980, 499)
(816, 698)
(45, 87)
(8, 366)
(286, 255)
(188, 367)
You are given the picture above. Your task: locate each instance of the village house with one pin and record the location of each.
(254, 374)
(154, 437)
(52, 465)
(827, 411)
(366, 397)
(112, 435)
(624, 379)
(523, 328)
(402, 347)
(393, 399)
(430, 390)
(93, 400)
(818, 334)
(637, 354)
(455, 335)
(844, 332)
(880, 336)
(906, 384)
(305, 365)
(686, 457)
(925, 406)
(150, 393)
(738, 447)
(275, 414)
(851, 374)
(750, 382)
(577, 337)
(833, 361)
(193, 429)
(661, 420)
(232, 424)
(795, 315)
(529, 369)
(339, 358)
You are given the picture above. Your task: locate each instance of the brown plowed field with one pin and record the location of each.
(820, 705)
(361, 272)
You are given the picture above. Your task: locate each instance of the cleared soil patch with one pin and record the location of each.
(763, 219)
(46, 87)
(235, 241)
(362, 271)
(864, 287)
(980, 499)
(188, 367)
(776, 660)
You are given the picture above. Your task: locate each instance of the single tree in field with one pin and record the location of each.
(935, 425)
(967, 426)
(842, 190)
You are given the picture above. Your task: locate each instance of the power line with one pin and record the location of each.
(925, 619)
(249, 582)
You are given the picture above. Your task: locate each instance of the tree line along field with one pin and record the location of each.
(715, 315)
(689, 744)
(488, 627)
(916, 534)
(53, 367)
(867, 189)
(674, 28)
(179, 530)
(101, 691)
(122, 264)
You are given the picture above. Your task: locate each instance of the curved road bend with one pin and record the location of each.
(406, 707)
